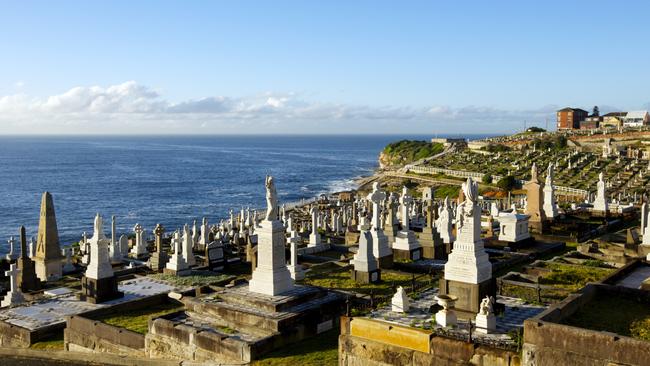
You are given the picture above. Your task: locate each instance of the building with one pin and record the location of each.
(636, 119)
(570, 118)
(591, 123)
(613, 120)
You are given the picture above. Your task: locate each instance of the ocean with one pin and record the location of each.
(171, 180)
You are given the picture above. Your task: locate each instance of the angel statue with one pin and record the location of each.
(271, 199)
(486, 306)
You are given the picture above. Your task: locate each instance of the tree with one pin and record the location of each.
(487, 179)
(596, 111)
(507, 183)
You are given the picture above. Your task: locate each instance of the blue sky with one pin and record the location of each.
(315, 67)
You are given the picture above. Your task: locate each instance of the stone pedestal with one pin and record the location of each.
(98, 291)
(486, 323)
(406, 246)
(365, 265)
(366, 277)
(446, 318)
(432, 245)
(469, 295)
(271, 277)
(381, 249)
(157, 261)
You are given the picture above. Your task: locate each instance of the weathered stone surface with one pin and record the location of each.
(48, 250)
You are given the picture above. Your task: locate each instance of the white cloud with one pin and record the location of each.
(133, 108)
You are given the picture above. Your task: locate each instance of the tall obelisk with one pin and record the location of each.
(48, 255)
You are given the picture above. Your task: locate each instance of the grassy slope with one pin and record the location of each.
(320, 350)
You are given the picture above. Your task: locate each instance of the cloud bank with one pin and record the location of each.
(132, 108)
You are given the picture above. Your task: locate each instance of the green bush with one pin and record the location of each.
(507, 183)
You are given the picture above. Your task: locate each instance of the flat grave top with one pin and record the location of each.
(207, 325)
(634, 279)
(289, 304)
(516, 311)
(47, 312)
(59, 291)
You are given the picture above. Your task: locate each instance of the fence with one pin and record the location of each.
(495, 178)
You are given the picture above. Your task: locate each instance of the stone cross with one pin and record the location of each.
(14, 296)
(376, 197)
(12, 253)
(405, 200)
(158, 231)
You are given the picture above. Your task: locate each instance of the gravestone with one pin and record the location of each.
(99, 283)
(214, 256)
(13, 254)
(600, 202)
(271, 277)
(468, 272)
(177, 264)
(513, 227)
(48, 251)
(314, 237)
(159, 258)
(380, 247)
(14, 296)
(296, 270)
(28, 280)
(534, 202)
(400, 301)
(365, 265)
(550, 205)
(139, 250)
(444, 225)
(188, 247)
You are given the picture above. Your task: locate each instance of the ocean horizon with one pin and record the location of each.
(171, 180)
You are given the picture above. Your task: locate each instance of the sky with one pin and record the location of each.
(315, 67)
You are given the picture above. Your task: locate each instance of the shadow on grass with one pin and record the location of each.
(318, 350)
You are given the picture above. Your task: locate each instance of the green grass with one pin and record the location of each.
(138, 320)
(320, 350)
(407, 151)
(614, 314)
(53, 343)
(198, 278)
(337, 278)
(572, 277)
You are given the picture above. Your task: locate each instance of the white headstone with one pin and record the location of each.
(99, 265)
(188, 245)
(177, 263)
(140, 247)
(314, 237)
(271, 276)
(14, 296)
(468, 262)
(400, 302)
(600, 202)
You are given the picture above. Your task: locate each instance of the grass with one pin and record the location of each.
(53, 343)
(138, 320)
(197, 279)
(572, 277)
(604, 313)
(338, 278)
(320, 350)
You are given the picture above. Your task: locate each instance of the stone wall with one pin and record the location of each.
(82, 334)
(548, 343)
(13, 336)
(379, 348)
(168, 340)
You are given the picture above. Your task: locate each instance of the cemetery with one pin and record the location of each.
(436, 263)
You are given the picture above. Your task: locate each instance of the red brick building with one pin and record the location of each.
(570, 118)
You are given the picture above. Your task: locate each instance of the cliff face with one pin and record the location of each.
(398, 154)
